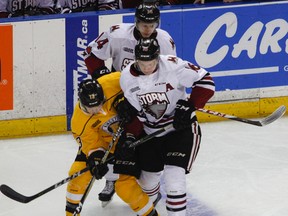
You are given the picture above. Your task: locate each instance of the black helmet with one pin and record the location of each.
(90, 93)
(147, 49)
(148, 13)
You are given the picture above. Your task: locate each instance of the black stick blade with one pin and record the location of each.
(9, 192)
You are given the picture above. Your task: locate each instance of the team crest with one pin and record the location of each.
(154, 103)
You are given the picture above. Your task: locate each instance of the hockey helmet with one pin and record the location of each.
(90, 93)
(148, 13)
(147, 49)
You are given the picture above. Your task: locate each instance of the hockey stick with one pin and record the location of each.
(145, 139)
(111, 144)
(12, 194)
(80, 205)
(150, 136)
(278, 113)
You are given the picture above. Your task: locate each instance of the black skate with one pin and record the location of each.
(107, 193)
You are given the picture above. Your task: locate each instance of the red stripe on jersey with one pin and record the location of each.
(173, 203)
(93, 63)
(200, 96)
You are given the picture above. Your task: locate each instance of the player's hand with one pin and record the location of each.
(123, 150)
(125, 157)
(125, 110)
(100, 72)
(184, 115)
(97, 168)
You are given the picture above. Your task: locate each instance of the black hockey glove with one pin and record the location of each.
(122, 150)
(97, 169)
(125, 157)
(100, 72)
(183, 117)
(125, 110)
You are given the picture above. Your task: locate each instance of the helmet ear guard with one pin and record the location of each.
(90, 93)
(147, 49)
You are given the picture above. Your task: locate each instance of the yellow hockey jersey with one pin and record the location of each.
(96, 131)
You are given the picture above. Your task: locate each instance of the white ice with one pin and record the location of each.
(241, 170)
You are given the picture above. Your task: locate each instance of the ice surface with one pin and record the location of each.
(241, 170)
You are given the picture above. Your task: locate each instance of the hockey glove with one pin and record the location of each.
(97, 169)
(100, 72)
(125, 157)
(183, 117)
(122, 150)
(125, 110)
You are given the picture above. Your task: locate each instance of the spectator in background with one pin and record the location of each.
(48, 7)
(69, 6)
(16, 8)
(19, 7)
(110, 4)
(4, 13)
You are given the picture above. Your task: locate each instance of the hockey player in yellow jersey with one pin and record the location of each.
(93, 123)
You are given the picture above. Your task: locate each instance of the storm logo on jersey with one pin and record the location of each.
(154, 103)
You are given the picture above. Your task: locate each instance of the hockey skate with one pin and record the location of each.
(107, 193)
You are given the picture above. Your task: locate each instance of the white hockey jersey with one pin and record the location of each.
(120, 41)
(14, 6)
(155, 95)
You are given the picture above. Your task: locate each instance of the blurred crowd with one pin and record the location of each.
(16, 8)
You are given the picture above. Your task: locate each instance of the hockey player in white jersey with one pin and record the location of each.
(156, 85)
(119, 42)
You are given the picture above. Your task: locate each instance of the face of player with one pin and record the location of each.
(146, 29)
(147, 67)
(91, 110)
